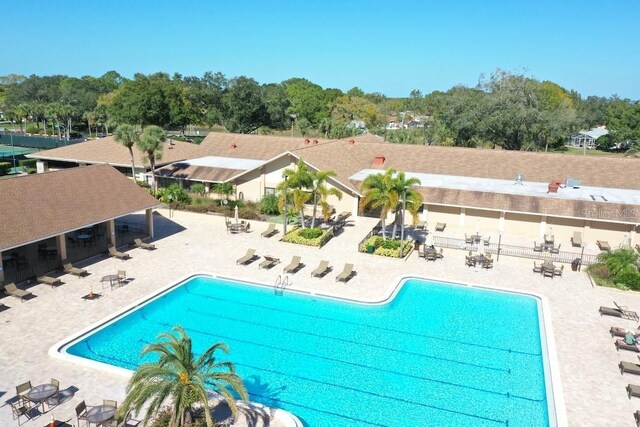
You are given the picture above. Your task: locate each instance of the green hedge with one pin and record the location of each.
(28, 163)
(388, 247)
(4, 168)
(297, 236)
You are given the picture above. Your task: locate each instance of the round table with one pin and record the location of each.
(110, 278)
(101, 413)
(42, 392)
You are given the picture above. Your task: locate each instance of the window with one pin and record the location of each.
(269, 191)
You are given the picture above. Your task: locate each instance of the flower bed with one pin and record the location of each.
(389, 247)
(308, 236)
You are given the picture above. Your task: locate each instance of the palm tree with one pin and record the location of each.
(378, 192)
(180, 377)
(413, 200)
(297, 179)
(224, 189)
(127, 136)
(319, 188)
(151, 144)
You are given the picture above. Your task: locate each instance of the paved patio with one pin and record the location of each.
(594, 390)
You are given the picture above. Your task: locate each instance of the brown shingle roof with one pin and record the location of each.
(180, 170)
(48, 204)
(108, 150)
(258, 147)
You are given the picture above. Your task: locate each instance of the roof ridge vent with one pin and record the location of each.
(306, 140)
(352, 141)
(315, 141)
(519, 178)
(233, 146)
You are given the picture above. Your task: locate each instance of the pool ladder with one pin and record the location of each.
(279, 285)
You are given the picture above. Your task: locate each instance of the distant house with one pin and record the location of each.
(587, 138)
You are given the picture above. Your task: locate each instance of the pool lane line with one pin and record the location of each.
(348, 341)
(219, 336)
(397, 331)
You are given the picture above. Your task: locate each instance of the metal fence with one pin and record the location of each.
(374, 232)
(515, 251)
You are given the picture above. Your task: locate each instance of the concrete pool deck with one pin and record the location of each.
(594, 391)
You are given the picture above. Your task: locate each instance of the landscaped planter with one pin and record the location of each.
(389, 248)
(308, 236)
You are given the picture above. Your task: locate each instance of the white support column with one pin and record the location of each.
(61, 245)
(149, 218)
(501, 222)
(463, 215)
(111, 232)
(354, 206)
(425, 213)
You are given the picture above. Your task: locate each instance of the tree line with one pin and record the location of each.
(508, 110)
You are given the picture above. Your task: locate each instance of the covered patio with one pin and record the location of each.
(71, 214)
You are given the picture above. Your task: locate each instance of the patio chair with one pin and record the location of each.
(618, 312)
(346, 274)
(81, 412)
(557, 249)
(270, 231)
(537, 268)
(536, 247)
(440, 254)
(633, 390)
(636, 416)
(468, 239)
(12, 289)
(20, 409)
(469, 261)
(344, 215)
(603, 245)
(621, 345)
(248, 227)
(51, 281)
(549, 238)
(421, 251)
(54, 399)
(441, 226)
(112, 403)
(247, 258)
(486, 242)
(268, 262)
(431, 256)
(488, 263)
(68, 268)
(122, 276)
(558, 271)
(322, 269)
(22, 390)
(117, 254)
(138, 243)
(616, 331)
(293, 266)
(631, 368)
(576, 240)
(547, 272)
(422, 226)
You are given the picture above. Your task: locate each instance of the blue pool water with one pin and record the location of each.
(437, 354)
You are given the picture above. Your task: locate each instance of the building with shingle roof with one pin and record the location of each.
(49, 210)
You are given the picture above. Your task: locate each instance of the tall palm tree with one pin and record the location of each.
(403, 186)
(127, 136)
(378, 192)
(320, 192)
(151, 144)
(298, 179)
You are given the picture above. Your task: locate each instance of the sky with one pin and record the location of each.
(378, 46)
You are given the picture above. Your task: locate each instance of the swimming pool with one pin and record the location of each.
(436, 354)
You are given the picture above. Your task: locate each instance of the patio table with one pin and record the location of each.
(110, 278)
(84, 237)
(40, 393)
(476, 237)
(101, 414)
(479, 259)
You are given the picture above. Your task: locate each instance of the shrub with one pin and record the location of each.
(28, 163)
(296, 237)
(248, 213)
(4, 168)
(394, 252)
(198, 189)
(269, 205)
(629, 277)
(32, 128)
(311, 233)
(173, 194)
